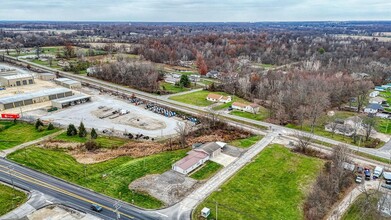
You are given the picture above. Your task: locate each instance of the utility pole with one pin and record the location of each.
(10, 170)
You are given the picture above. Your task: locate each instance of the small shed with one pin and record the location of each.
(205, 212)
(46, 76)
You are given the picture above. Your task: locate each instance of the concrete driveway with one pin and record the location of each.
(224, 159)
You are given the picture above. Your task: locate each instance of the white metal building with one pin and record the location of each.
(68, 83)
(70, 101)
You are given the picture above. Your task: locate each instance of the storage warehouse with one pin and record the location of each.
(68, 83)
(71, 100)
(15, 79)
(46, 76)
(34, 97)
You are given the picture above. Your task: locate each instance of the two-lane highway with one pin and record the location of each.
(66, 193)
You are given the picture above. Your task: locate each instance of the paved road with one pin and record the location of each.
(182, 210)
(67, 194)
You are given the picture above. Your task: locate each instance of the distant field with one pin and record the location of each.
(10, 199)
(272, 186)
(381, 39)
(111, 177)
(12, 134)
(196, 98)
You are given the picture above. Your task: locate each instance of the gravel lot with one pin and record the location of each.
(138, 121)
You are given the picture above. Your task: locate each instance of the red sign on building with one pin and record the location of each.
(13, 116)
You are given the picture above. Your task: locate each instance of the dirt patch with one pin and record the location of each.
(169, 187)
(57, 213)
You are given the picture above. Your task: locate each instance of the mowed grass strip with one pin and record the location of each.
(10, 199)
(207, 171)
(273, 186)
(111, 177)
(13, 134)
(104, 141)
(246, 142)
(196, 98)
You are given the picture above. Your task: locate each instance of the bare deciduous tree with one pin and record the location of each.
(182, 130)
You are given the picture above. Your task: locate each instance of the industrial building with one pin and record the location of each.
(34, 97)
(68, 83)
(46, 76)
(13, 78)
(70, 101)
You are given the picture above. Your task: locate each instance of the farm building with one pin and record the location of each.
(11, 79)
(34, 97)
(218, 98)
(252, 108)
(46, 76)
(71, 100)
(198, 156)
(68, 83)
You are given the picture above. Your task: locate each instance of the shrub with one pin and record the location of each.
(91, 145)
(40, 128)
(82, 130)
(38, 123)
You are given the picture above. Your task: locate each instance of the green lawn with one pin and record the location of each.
(46, 63)
(196, 98)
(169, 87)
(10, 199)
(206, 82)
(12, 134)
(273, 186)
(319, 130)
(358, 210)
(208, 170)
(260, 116)
(383, 125)
(105, 141)
(246, 142)
(110, 177)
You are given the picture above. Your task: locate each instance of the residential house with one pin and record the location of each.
(252, 108)
(212, 74)
(198, 156)
(218, 98)
(377, 100)
(373, 108)
(172, 78)
(380, 88)
(189, 163)
(345, 127)
(194, 78)
(374, 94)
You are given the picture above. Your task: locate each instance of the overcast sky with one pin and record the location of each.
(195, 10)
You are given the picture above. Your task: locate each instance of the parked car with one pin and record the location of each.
(367, 173)
(386, 186)
(388, 182)
(377, 172)
(360, 170)
(358, 179)
(230, 108)
(96, 208)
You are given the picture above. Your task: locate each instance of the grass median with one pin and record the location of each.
(10, 199)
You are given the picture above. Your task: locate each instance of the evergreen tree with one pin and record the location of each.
(184, 81)
(82, 130)
(71, 131)
(50, 127)
(38, 123)
(94, 135)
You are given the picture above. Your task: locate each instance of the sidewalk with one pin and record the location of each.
(5, 152)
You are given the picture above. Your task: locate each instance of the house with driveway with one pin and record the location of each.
(252, 108)
(218, 98)
(198, 156)
(373, 108)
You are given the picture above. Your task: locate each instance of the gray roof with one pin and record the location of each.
(374, 106)
(71, 98)
(62, 79)
(209, 148)
(70, 82)
(32, 95)
(16, 76)
(46, 74)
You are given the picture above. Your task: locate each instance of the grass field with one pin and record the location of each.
(208, 170)
(260, 116)
(12, 134)
(271, 187)
(356, 210)
(110, 177)
(165, 86)
(10, 199)
(104, 141)
(246, 142)
(383, 125)
(196, 98)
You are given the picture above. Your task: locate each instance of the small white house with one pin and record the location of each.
(218, 98)
(377, 100)
(374, 94)
(252, 108)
